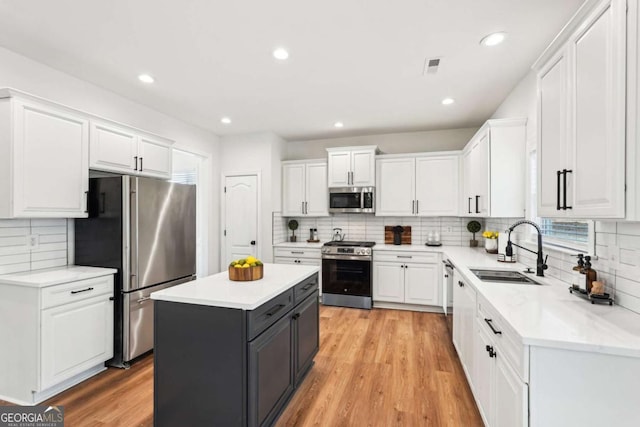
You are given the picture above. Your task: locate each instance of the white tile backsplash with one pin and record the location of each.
(15, 253)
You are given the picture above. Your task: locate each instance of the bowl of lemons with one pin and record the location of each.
(246, 269)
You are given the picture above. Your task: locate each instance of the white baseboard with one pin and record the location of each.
(409, 307)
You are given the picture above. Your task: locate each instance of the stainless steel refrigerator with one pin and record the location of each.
(146, 229)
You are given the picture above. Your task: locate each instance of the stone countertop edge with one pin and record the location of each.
(218, 291)
(54, 276)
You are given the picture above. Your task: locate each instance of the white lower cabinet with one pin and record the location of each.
(408, 278)
(500, 392)
(62, 334)
(301, 256)
(75, 337)
(464, 301)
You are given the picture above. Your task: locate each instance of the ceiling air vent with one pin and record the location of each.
(431, 66)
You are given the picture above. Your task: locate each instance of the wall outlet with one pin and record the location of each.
(33, 241)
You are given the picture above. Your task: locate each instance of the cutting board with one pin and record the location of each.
(388, 235)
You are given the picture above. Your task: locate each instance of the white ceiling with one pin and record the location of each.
(359, 62)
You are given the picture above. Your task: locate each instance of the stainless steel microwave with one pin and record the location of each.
(352, 200)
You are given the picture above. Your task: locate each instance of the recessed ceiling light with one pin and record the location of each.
(338, 125)
(225, 120)
(493, 39)
(448, 101)
(281, 54)
(146, 78)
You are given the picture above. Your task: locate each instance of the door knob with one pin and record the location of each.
(253, 242)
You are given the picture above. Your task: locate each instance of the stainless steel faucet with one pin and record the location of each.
(541, 263)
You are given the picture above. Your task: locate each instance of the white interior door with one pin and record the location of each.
(241, 217)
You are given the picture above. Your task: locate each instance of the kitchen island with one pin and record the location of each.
(233, 353)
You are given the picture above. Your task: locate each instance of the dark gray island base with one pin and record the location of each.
(217, 366)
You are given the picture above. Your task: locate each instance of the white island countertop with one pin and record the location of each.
(218, 291)
(54, 276)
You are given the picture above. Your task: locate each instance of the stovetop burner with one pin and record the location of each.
(351, 244)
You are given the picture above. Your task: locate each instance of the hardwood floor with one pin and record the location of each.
(374, 368)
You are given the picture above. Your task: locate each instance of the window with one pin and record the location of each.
(564, 233)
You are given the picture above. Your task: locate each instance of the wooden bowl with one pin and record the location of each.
(246, 274)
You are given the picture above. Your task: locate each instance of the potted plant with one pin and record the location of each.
(491, 241)
(293, 226)
(473, 227)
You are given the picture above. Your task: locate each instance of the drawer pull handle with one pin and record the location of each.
(404, 256)
(141, 300)
(274, 310)
(460, 283)
(306, 288)
(81, 290)
(495, 331)
(297, 252)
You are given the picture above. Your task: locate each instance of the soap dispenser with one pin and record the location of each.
(579, 281)
(590, 274)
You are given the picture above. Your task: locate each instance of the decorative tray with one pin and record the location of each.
(604, 298)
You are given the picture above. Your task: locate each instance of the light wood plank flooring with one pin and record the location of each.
(374, 368)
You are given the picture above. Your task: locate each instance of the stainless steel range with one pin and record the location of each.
(347, 274)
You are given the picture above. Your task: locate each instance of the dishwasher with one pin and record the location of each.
(447, 288)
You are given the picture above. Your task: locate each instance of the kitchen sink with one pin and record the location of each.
(504, 276)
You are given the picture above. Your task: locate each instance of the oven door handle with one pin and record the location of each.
(347, 257)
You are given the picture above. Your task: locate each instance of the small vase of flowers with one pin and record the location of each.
(491, 241)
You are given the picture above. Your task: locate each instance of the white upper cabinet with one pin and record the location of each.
(351, 166)
(44, 159)
(581, 111)
(493, 162)
(304, 188)
(154, 155)
(420, 185)
(117, 148)
(395, 186)
(437, 185)
(113, 148)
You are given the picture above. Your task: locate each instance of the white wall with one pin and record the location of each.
(30, 76)
(408, 142)
(263, 152)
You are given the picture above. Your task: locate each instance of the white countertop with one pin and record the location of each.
(549, 315)
(217, 290)
(54, 276)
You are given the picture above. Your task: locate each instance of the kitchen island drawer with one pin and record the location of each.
(53, 296)
(268, 313)
(305, 288)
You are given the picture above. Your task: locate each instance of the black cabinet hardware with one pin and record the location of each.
(491, 351)
(469, 204)
(564, 185)
(81, 290)
(253, 243)
(274, 310)
(558, 173)
(136, 159)
(417, 206)
(495, 331)
(140, 164)
(296, 316)
(477, 204)
(86, 196)
(460, 283)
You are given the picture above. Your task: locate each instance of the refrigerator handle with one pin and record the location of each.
(133, 235)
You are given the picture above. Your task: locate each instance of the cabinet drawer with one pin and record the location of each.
(76, 291)
(508, 343)
(268, 313)
(414, 257)
(305, 288)
(297, 253)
